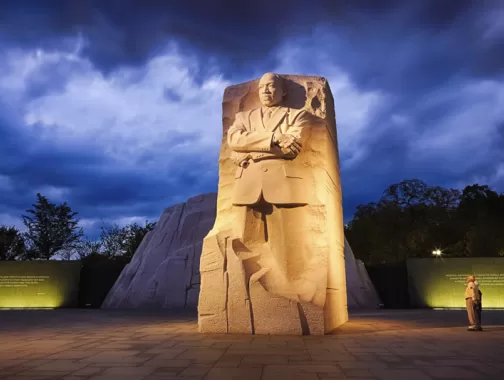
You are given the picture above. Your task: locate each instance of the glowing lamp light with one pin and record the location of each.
(437, 252)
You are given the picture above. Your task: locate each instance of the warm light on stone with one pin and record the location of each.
(274, 261)
(164, 271)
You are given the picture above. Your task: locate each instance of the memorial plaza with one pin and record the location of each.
(75, 344)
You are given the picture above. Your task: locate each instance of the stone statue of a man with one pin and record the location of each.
(273, 262)
(269, 194)
(265, 142)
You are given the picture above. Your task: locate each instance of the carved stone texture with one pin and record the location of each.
(164, 271)
(134, 287)
(274, 261)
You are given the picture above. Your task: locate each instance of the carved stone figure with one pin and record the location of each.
(274, 262)
(269, 139)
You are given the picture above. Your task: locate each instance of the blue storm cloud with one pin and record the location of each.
(91, 93)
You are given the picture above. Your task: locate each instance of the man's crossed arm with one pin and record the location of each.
(245, 142)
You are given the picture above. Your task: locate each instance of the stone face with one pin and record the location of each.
(164, 272)
(141, 286)
(276, 251)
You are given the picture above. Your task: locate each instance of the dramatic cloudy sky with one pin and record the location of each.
(114, 106)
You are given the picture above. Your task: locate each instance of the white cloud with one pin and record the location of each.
(53, 194)
(5, 183)
(493, 24)
(463, 137)
(125, 113)
(499, 174)
(495, 180)
(355, 108)
(400, 120)
(128, 116)
(9, 220)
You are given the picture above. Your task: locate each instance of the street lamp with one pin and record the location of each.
(437, 252)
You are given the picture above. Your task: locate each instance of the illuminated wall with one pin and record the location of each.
(439, 282)
(39, 284)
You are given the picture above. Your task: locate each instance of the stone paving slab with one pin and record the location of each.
(77, 344)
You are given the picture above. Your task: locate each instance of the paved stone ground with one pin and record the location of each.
(100, 344)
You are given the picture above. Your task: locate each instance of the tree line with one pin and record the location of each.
(53, 231)
(413, 220)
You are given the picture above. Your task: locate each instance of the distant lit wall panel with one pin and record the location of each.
(440, 282)
(39, 284)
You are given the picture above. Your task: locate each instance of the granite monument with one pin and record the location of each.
(274, 261)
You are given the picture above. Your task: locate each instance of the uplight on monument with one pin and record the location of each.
(274, 261)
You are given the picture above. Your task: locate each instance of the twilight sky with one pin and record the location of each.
(115, 106)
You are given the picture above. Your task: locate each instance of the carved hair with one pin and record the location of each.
(277, 77)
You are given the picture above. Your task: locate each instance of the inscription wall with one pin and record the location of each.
(440, 282)
(39, 284)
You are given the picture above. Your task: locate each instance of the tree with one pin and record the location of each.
(51, 229)
(481, 218)
(12, 243)
(412, 219)
(406, 193)
(112, 240)
(123, 241)
(135, 233)
(89, 248)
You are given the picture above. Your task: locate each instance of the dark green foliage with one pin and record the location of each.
(53, 232)
(412, 219)
(12, 243)
(51, 229)
(134, 236)
(89, 248)
(123, 241)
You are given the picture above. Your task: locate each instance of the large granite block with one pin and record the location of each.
(164, 271)
(280, 204)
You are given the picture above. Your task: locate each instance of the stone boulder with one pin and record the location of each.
(164, 271)
(361, 293)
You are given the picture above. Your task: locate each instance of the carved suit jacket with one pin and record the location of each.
(279, 178)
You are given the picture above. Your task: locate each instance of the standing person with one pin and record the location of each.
(472, 298)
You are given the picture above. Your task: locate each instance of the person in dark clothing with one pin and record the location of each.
(479, 304)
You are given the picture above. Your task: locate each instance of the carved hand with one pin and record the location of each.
(240, 158)
(288, 144)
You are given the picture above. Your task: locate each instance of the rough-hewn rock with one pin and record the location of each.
(164, 272)
(361, 292)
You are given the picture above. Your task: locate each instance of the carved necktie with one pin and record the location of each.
(267, 115)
